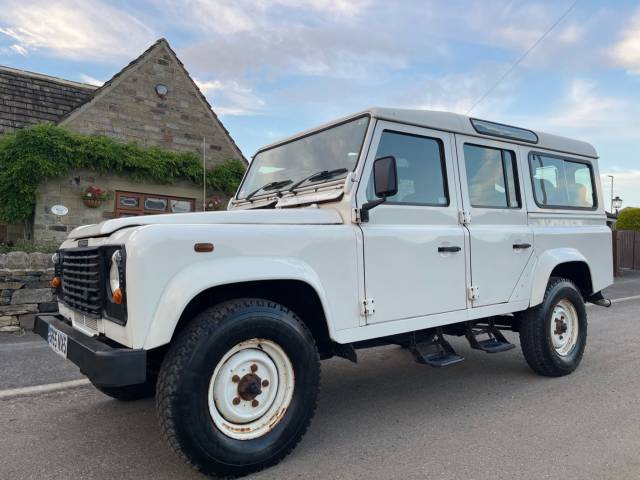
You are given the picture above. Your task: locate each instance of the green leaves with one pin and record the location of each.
(629, 219)
(32, 155)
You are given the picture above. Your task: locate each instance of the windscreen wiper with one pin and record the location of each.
(316, 177)
(269, 186)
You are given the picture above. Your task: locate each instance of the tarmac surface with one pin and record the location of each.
(489, 417)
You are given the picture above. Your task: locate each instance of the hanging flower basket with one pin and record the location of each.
(93, 197)
(91, 202)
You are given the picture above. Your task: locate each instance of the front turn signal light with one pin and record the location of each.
(55, 282)
(117, 296)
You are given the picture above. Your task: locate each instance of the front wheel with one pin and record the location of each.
(238, 388)
(553, 335)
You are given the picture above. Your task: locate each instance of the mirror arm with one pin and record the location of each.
(364, 210)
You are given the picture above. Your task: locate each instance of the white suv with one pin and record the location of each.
(386, 227)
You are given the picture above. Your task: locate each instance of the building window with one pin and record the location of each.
(562, 182)
(130, 204)
(491, 177)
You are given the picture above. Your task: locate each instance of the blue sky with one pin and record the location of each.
(272, 68)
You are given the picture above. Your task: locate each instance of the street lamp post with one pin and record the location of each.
(611, 177)
(616, 203)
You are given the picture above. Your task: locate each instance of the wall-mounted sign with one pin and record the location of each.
(59, 210)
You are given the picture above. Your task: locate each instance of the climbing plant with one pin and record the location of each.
(32, 155)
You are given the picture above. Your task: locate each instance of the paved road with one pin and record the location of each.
(387, 417)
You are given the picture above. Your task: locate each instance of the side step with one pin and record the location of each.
(495, 342)
(435, 351)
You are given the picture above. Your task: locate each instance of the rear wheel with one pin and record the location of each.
(238, 388)
(553, 335)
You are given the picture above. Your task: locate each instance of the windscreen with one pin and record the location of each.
(333, 149)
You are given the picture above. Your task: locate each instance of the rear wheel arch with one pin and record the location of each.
(299, 296)
(578, 272)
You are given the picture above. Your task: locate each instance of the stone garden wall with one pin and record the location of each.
(24, 289)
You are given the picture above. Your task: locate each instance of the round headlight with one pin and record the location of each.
(55, 258)
(114, 271)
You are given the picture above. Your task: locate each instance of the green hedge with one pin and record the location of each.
(629, 219)
(32, 155)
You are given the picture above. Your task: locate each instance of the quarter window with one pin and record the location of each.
(560, 182)
(421, 170)
(492, 177)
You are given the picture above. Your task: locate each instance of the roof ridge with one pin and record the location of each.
(48, 78)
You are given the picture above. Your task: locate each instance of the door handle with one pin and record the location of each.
(449, 249)
(521, 246)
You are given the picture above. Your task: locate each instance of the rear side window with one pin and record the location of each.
(561, 182)
(492, 177)
(421, 169)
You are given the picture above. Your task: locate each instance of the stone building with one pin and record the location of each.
(152, 101)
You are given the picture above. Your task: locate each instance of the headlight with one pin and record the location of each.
(55, 258)
(114, 271)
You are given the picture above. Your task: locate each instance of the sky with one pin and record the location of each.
(271, 68)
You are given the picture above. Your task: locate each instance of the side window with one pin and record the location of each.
(492, 177)
(421, 171)
(560, 182)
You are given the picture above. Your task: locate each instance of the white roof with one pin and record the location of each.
(453, 122)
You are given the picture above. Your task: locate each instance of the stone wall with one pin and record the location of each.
(68, 190)
(129, 109)
(24, 289)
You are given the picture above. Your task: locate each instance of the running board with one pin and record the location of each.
(435, 351)
(495, 342)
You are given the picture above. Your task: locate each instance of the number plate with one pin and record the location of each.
(57, 341)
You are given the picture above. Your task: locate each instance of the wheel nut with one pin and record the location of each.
(254, 367)
(255, 403)
(236, 401)
(235, 379)
(265, 383)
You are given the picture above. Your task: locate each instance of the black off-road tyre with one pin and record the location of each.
(187, 369)
(131, 392)
(535, 331)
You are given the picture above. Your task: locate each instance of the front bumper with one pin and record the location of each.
(106, 366)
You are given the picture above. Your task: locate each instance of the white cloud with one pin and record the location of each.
(19, 49)
(230, 98)
(625, 186)
(75, 29)
(626, 53)
(91, 80)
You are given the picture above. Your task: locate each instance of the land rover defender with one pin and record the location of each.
(386, 227)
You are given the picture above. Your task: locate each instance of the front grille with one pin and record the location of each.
(82, 280)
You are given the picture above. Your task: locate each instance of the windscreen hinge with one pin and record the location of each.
(356, 215)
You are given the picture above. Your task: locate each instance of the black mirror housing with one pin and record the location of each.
(385, 176)
(385, 183)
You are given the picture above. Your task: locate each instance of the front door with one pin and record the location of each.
(414, 246)
(501, 242)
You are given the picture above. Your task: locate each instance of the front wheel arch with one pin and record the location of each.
(298, 296)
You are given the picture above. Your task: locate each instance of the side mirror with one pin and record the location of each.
(385, 183)
(385, 177)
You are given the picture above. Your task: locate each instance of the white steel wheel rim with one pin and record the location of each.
(564, 327)
(251, 389)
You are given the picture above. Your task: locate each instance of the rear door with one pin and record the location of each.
(414, 246)
(501, 240)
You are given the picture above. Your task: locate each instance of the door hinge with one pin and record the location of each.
(474, 293)
(368, 307)
(464, 217)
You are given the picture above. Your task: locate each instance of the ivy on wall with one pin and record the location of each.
(32, 155)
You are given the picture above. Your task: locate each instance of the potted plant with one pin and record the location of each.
(93, 197)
